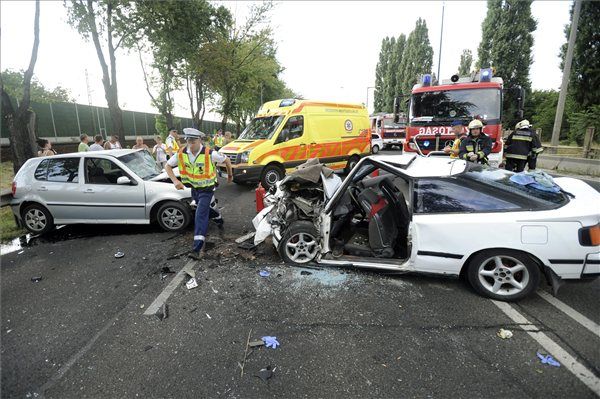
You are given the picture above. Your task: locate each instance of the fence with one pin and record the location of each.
(68, 120)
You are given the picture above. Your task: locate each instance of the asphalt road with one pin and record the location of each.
(81, 330)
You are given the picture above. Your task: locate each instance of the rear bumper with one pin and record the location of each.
(244, 174)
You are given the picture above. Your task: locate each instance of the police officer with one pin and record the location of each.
(196, 163)
(476, 146)
(519, 145)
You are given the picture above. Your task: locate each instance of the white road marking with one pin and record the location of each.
(170, 288)
(566, 360)
(572, 313)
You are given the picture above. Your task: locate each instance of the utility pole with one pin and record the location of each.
(441, 36)
(560, 107)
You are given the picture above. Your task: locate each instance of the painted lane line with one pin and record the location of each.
(568, 361)
(170, 288)
(572, 313)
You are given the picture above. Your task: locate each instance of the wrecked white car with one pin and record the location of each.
(407, 213)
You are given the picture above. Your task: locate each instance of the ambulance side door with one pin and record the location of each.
(326, 142)
(292, 141)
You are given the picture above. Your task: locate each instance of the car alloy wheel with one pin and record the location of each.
(172, 218)
(35, 220)
(301, 247)
(375, 149)
(503, 275)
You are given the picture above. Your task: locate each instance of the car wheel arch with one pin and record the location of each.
(535, 259)
(25, 204)
(156, 206)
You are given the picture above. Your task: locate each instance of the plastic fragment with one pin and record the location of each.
(265, 374)
(548, 359)
(192, 283)
(36, 279)
(264, 273)
(504, 334)
(270, 342)
(119, 254)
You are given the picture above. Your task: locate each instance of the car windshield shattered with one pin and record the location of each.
(261, 128)
(142, 164)
(500, 179)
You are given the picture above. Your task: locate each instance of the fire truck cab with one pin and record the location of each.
(391, 130)
(433, 108)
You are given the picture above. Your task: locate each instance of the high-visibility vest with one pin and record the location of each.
(219, 141)
(171, 142)
(199, 174)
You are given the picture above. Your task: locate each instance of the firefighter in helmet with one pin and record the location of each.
(519, 146)
(476, 146)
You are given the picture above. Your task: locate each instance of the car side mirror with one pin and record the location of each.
(123, 180)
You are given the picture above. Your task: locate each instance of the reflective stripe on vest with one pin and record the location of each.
(198, 175)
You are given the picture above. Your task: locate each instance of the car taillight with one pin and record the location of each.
(14, 188)
(589, 236)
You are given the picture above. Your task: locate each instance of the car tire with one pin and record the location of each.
(375, 149)
(299, 244)
(271, 175)
(503, 274)
(351, 163)
(37, 219)
(173, 216)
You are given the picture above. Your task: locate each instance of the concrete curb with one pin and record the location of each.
(558, 163)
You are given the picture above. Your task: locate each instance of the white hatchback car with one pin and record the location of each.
(376, 143)
(98, 187)
(434, 215)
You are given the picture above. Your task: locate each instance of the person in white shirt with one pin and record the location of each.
(98, 141)
(160, 152)
(113, 143)
(139, 144)
(197, 170)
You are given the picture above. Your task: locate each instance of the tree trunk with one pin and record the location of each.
(169, 119)
(22, 133)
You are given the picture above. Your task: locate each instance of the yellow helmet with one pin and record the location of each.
(524, 124)
(475, 124)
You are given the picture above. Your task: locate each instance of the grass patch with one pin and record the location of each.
(6, 174)
(8, 228)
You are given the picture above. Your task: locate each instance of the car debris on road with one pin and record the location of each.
(192, 283)
(504, 334)
(548, 359)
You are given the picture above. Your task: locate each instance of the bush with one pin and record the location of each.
(580, 121)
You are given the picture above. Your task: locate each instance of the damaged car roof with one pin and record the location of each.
(418, 166)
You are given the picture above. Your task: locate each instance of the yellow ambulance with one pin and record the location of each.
(285, 133)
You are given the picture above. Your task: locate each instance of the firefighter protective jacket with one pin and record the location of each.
(480, 145)
(521, 143)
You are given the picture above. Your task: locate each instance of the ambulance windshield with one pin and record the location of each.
(261, 128)
(439, 106)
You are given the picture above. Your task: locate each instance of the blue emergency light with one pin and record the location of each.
(427, 80)
(485, 75)
(287, 102)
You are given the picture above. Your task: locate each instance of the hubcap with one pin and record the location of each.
(503, 275)
(301, 247)
(272, 177)
(172, 218)
(35, 220)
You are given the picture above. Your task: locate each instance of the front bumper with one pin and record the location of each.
(244, 174)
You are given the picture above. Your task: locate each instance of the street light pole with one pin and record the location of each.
(560, 107)
(441, 36)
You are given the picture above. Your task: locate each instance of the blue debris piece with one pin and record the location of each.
(264, 273)
(270, 342)
(548, 359)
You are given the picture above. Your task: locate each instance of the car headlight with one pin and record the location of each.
(244, 157)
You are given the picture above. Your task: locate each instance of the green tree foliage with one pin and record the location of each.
(489, 27)
(392, 87)
(506, 45)
(417, 58)
(584, 82)
(580, 121)
(238, 62)
(381, 75)
(13, 84)
(466, 60)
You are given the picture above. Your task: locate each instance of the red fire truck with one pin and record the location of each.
(433, 108)
(391, 129)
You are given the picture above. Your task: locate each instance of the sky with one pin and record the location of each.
(329, 49)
